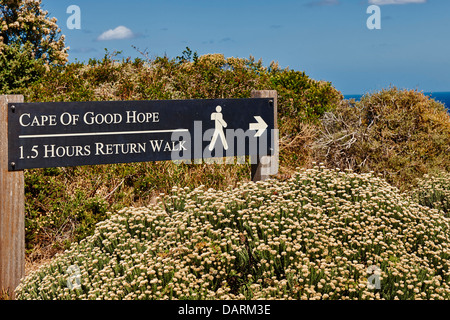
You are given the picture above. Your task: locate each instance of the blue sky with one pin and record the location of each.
(328, 39)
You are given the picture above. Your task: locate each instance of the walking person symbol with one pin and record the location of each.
(218, 131)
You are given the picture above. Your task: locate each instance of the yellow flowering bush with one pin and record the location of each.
(316, 235)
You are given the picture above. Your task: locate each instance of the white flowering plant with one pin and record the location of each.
(312, 236)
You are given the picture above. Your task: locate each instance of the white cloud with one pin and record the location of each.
(121, 32)
(385, 2)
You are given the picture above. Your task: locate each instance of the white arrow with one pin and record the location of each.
(261, 126)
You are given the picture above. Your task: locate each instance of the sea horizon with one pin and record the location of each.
(443, 97)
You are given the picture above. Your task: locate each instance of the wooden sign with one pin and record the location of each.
(61, 134)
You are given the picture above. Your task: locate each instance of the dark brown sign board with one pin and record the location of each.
(63, 134)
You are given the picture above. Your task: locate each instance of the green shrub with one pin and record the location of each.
(318, 235)
(208, 77)
(55, 215)
(302, 101)
(18, 68)
(399, 133)
(303, 98)
(30, 42)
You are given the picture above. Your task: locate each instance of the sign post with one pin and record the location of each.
(12, 210)
(267, 165)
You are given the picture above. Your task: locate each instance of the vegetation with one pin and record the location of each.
(317, 235)
(401, 134)
(57, 197)
(30, 42)
(65, 204)
(433, 191)
(24, 23)
(163, 230)
(18, 68)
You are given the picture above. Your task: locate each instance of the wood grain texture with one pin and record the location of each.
(12, 209)
(260, 171)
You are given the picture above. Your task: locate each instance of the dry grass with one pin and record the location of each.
(5, 295)
(401, 134)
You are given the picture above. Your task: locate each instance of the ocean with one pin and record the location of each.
(443, 97)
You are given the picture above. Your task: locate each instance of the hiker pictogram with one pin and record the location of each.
(220, 124)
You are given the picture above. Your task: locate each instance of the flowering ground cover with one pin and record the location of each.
(321, 234)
